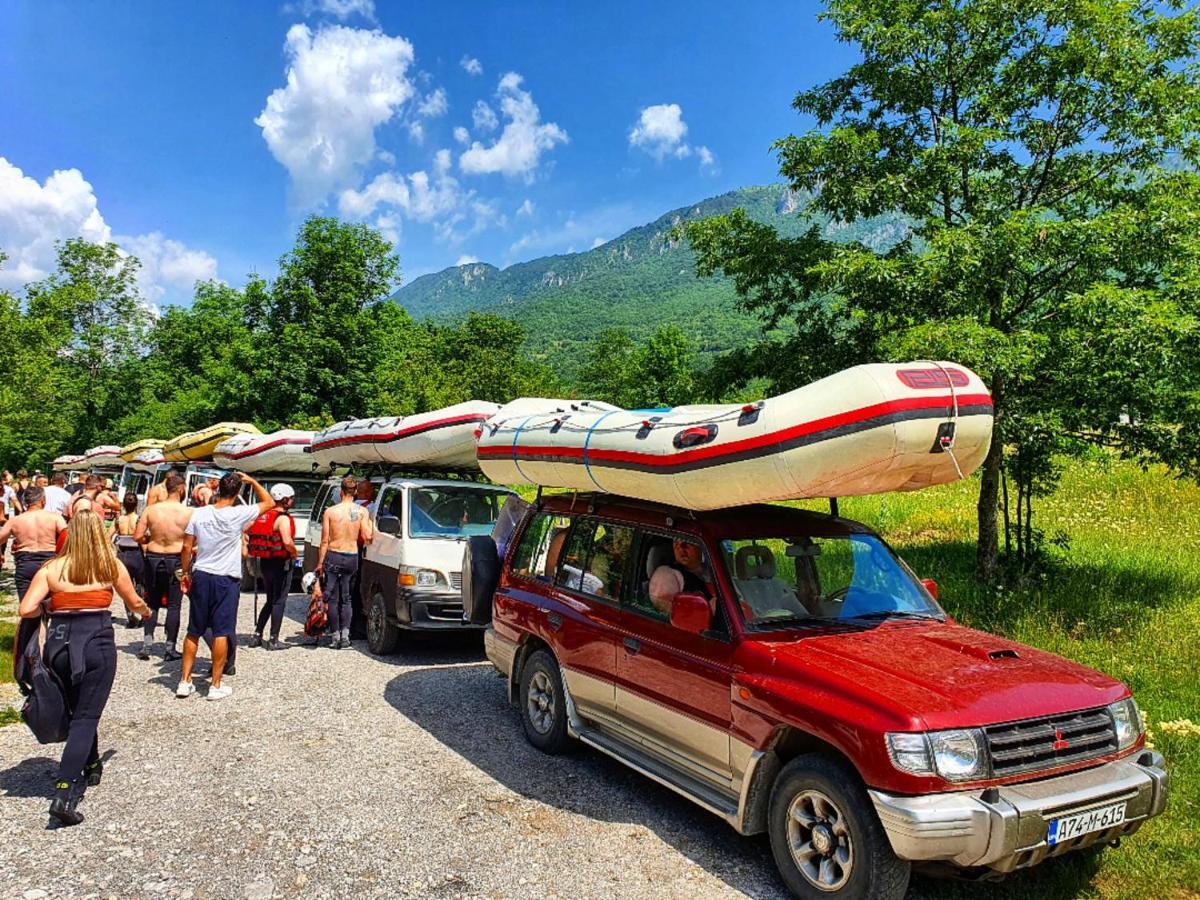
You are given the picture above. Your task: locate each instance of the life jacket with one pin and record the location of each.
(263, 541)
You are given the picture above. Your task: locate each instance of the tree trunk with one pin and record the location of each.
(987, 551)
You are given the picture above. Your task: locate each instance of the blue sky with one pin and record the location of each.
(199, 135)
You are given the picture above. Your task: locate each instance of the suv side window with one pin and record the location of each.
(656, 556)
(538, 553)
(391, 504)
(595, 559)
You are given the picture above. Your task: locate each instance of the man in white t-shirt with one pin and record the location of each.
(211, 560)
(57, 498)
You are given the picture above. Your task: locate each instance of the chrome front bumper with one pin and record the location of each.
(1007, 830)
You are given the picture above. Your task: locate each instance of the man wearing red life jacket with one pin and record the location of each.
(271, 540)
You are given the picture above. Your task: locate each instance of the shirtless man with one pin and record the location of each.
(205, 491)
(160, 532)
(158, 492)
(94, 496)
(35, 534)
(343, 526)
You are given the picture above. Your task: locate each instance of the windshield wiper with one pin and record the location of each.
(893, 614)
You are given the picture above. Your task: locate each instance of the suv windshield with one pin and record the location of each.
(306, 494)
(452, 511)
(853, 578)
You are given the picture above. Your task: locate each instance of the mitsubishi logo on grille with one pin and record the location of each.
(1060, 743)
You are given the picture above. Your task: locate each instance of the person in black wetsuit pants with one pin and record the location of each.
(78, 588)
(160, 531)
(35, 533)
(271, 540)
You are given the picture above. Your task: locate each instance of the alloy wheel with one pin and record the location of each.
(819, 840)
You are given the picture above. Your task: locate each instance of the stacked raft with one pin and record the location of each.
(867, 430)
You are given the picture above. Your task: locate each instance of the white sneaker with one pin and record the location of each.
(185, 689)
(219, 693)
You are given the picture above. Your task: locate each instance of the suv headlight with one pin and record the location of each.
(1127, 719)
(958, 754)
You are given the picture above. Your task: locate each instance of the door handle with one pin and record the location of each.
(555, 621)
(633, 645)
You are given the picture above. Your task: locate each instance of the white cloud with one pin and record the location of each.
(434, 105)
(660, 132)
(472, 65)
(484, 117)
(34, 216)
(526, 208)
(342, 83)
(388, 159)
(598, 242)
(519, 148)
(339, 9)
(416, 132)
(577, 230)
(167, 264)
(466, 259)
(462, 135)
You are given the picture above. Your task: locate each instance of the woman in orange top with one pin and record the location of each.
(76, 588)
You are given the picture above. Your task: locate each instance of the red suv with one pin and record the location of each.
(787, 671)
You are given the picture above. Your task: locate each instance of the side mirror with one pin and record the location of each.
(388, 524)
(931, 586)
(691, 613)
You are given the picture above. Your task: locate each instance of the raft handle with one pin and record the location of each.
(695, 436)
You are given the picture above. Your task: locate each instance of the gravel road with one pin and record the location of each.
(336, 773)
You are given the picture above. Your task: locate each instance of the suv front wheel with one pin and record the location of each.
(543, 703)
(826, 837)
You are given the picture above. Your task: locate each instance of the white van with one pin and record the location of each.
(411, 576)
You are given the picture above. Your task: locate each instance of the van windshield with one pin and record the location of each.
(850, 578)
(452, 511)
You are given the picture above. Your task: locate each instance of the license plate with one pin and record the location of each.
(1066, 827)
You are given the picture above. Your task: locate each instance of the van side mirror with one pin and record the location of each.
(691, 613)
(931, 586)
(388, 524)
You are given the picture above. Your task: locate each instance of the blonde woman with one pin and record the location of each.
(76, 588)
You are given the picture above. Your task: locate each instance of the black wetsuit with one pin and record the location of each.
(162, 591)
(340, 569)
(27, 563)
(81, 650)
(276, 576)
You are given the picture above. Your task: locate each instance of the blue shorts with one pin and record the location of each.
(213, 603)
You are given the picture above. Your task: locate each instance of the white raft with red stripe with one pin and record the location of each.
(147, 460)
(104, 456)
(279, 451)
(866, 430)
(444, 438)
(67, 461)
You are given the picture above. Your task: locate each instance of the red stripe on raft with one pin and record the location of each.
(270, 446)
(403, 432)
(702, 453)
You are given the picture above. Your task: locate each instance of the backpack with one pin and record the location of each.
(317, 619)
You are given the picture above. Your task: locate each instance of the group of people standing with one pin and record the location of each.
(71, 561)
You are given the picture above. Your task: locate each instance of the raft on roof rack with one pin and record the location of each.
(866, 430)
(199, 445)
(279, 451)
(146, 461)
(443, 438)
(66, 461)
(129, 451)
(106, 456)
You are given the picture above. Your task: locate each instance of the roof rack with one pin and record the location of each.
(391, 470)
(594, 497)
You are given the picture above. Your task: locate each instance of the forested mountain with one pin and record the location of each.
(637, 281)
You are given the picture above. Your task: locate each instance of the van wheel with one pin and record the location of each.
(543, 705)
(826, 837)
(382, 635)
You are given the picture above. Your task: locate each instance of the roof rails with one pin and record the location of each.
(594, 497)
(391, 470)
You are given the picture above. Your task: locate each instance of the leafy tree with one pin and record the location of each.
(659, 372)
(1050, 247)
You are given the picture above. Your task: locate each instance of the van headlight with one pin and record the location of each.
(410, 576)
(958, 754)
(1127, 720)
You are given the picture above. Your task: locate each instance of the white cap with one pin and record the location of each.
(282, 491)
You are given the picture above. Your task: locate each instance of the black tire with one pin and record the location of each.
(833, 815)
(382, 635)
(480, 575)
(546, 725)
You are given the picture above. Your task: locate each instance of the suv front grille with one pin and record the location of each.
(1050, 742)
(456, 580)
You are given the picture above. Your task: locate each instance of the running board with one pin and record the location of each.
(715, 801)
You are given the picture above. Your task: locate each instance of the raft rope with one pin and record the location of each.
(586, 466)
(516, 459)
(948, 446)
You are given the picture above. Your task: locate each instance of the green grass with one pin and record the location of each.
(1123, 597)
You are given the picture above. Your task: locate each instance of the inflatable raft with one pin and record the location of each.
(146, 461)
(279, 451)
(129, 451)
(444, 438)
(867, 430)
(67, 461)
(194, 445)
(106, 456)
